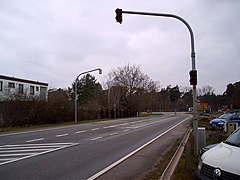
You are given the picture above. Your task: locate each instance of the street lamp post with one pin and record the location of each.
(76, 82)
(119, 13)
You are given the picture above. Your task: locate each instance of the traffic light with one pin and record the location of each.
(193, 77)
(118, 15)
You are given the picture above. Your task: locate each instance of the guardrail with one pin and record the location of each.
(167, 173)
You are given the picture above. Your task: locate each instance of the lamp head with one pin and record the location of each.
(100, 71)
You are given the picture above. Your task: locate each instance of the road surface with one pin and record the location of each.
(83, 151)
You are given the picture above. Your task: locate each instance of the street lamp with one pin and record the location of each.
(76, 82)
(193, 72)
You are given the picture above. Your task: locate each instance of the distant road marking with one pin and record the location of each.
(140, 126)
(109, 127)
(133, 152)
(96, 138)
(34, 140)
(126, 130)
(95, 129)
(61, 135)
(113, 134)
(80, 132)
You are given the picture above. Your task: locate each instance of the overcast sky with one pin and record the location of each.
(55, 40)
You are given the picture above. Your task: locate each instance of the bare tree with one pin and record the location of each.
(205, 90)
(132, 84)
(114, 97)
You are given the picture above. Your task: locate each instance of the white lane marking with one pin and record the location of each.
(81, 132)
(113, 134)
(61, 135)
(94, 129)
(20, 156)
(31, 146)
(126, 130)
(44, 144)
(24, 150)
(96, 138)
(34, 140)
(106, 127)
(7, 159)
(132, 153)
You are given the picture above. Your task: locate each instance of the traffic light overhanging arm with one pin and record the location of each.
(119, 19)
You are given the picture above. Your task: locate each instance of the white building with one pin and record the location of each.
(12, 88)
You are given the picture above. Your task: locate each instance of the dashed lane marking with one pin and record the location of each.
(96, 138)
(34, 140)
(13, 153)
(95, 129)
(61, 135)
(81, 132)
(113, 134)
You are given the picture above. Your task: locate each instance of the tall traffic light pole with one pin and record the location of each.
(193, 72)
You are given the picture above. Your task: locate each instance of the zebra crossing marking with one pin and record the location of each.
(17, 152)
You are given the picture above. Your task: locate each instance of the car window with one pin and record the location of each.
(234, 138)
(238, 117)
(225, 116)
(234, 117)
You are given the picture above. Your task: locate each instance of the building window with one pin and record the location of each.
(20, 88)
(32, 90)
(1, 85)
(43, 93)
(37, 88)
(11, 85)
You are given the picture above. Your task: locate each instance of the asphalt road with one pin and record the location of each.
(79, 151)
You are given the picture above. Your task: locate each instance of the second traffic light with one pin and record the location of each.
(193, 77)
(118, 15)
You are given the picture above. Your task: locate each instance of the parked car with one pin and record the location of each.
(221, 161)
(221, 120)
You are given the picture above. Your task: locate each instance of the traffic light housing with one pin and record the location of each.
(193, 77)
(118, 15)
